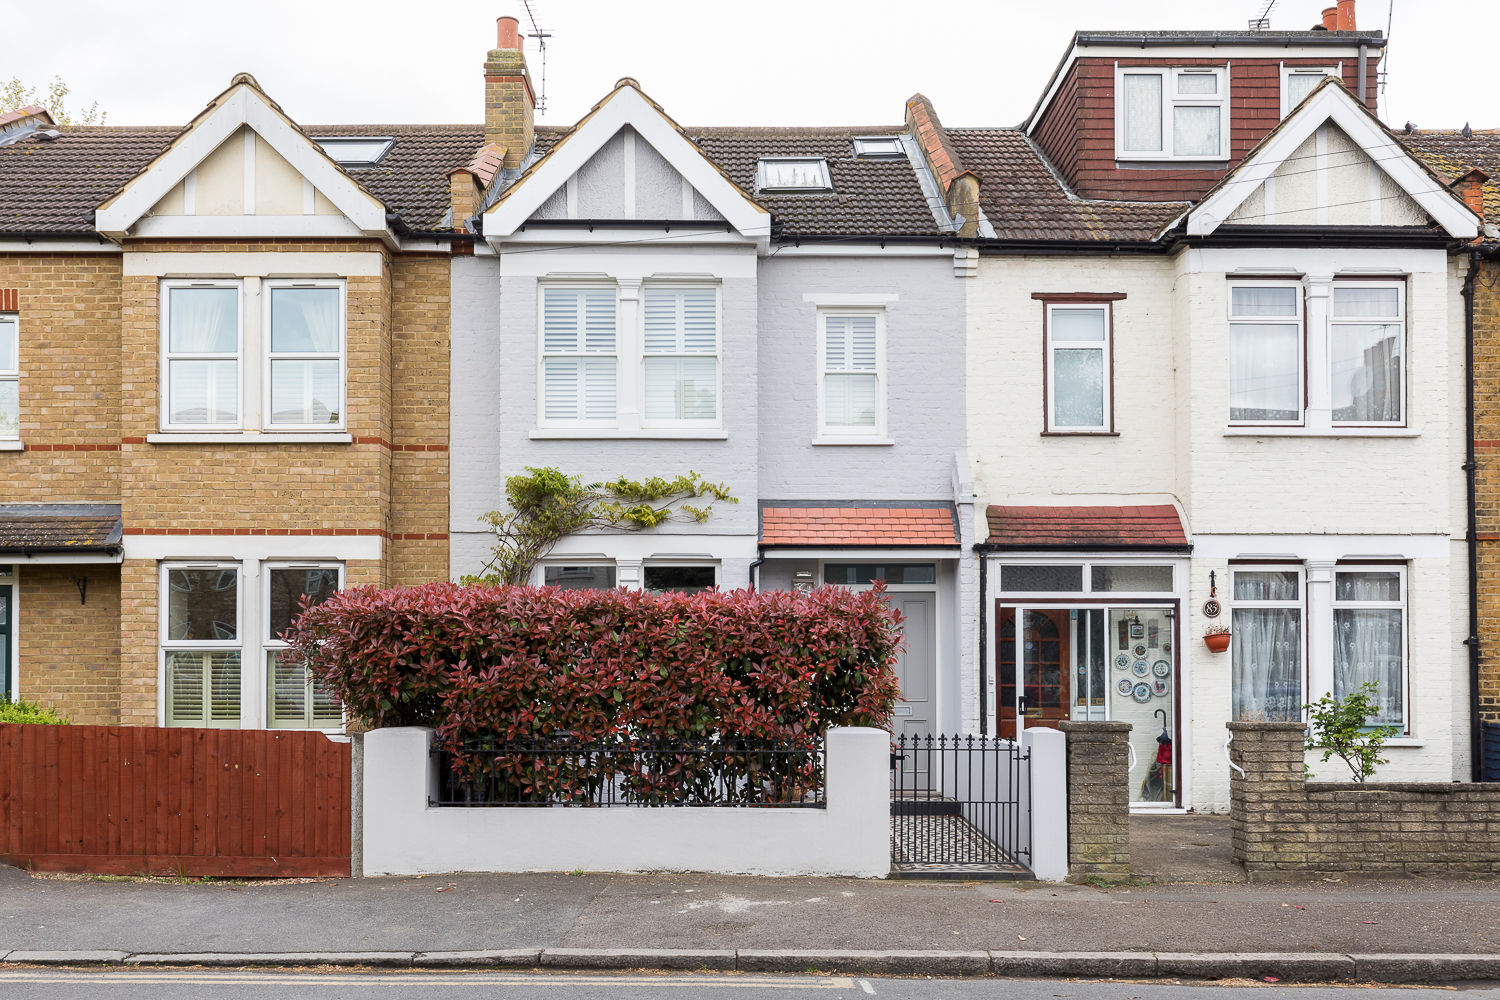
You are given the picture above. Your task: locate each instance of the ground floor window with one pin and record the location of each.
(1369, 637)
(213, 667)
(1266, 644)
(661, 578)
(586, 577)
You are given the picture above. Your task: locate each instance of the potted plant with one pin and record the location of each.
(1216, 638)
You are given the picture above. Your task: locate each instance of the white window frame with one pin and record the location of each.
(651, 564)
(539, 574)
(877, 147)
(164, 367)
(718, 356)
(825, 183)
(542, 356)
(268, 287)
(166, 645)
(1290, 71)
(1106, 349)
(13, 374)
(1300, 604)
(845, 435)
(1400, 570)
(1303, 346)
(1399, 319)
(269, 643)
(1170, 99)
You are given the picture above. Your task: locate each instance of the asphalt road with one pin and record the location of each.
(189, 984)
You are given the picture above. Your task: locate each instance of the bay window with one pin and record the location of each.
(1369, 638)
(1078, 368)
(579, 576)
(304, 375)
(680, 578)
(1171, 114)
(1266, 651)
(294, 699)
(1265, 353)
(201, 356)
(851, 390)
(1366, 341)
(680, 355)
(201, 644)
(10, 377)
(579, 362)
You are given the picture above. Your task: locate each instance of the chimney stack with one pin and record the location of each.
(1470, 188)
(509, 101)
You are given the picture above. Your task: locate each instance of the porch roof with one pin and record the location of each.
(1142, 526)
(844, 523)
(27, 528)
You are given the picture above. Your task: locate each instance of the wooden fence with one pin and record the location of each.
(128, 800)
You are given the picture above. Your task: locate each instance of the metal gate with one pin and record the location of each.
(958, 808)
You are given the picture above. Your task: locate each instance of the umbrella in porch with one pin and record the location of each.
(1158, 784)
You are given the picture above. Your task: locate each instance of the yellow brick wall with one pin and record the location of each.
(70, 378)
(1487, 488)
(69, 654)
(420, 332)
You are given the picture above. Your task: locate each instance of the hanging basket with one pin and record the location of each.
(1217, 642)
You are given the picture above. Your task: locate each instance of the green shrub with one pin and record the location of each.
(1341, 728)
(28, 712)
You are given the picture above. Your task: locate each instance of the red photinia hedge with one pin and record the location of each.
(513, 663)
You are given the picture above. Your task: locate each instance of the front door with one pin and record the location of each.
(916, 664)
(1039, 660)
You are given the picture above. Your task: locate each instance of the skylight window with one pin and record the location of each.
(796, 173)
(879, 147)
(355, 151)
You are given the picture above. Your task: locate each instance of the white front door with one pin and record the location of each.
(916, 664)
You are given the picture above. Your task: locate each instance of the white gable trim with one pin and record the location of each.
(1332, 103)
(626, 106)
(241, 106)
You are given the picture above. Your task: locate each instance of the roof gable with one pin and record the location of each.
(240, 130)
(1325, 154)
(625, 110)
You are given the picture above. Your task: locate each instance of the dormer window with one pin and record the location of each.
(793, 174)
(355, 151)
(1299, 81)
(1171, 114)
(879, 147)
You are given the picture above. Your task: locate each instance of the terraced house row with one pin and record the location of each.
(1183, 353)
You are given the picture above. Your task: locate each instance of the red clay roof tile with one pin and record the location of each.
(1153, 526)
(854, 525)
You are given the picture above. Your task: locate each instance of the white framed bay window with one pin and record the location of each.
(579, 355)
(294, 700)
(304, 370)
(1267, 648)
(1079, 367)
(10, 377)
(680, 355)
(202, 346)
(1366, 347)
(1166, 113)
(1266, 353)
(1369, 637)
(201, 643)
(851, 375)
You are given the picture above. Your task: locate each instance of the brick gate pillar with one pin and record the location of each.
(1267, 793)
(1098, 798)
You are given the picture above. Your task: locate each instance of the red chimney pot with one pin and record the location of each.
(508, 32)
(1331, 18)
(1346, 15)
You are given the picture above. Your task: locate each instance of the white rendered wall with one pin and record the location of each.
(1047, 798)
(403, 835)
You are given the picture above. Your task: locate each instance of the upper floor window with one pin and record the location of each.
(304, 377)
(355, 151)
(1078, 368)
(1265, 353)
(1366, 334)
(10, 376)
(879, 147)
(851, 380)
(1171, 114)
(579, 362)
(201, 360)
(680, 355)
(1299, 81)
(793, 173)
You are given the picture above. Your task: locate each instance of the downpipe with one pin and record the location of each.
(1471, 471)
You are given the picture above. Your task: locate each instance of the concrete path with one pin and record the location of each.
(478, 912)
(1191, 848)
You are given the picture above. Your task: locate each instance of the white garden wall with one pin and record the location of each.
(403, 835)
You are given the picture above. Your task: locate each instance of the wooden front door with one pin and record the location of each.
(1040, 693)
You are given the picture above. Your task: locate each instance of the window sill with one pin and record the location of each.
(242, 437)
(12, 446)
(1075, 434)
(832, 441)
(615, 434)
(1324, 432)
(1177, 162)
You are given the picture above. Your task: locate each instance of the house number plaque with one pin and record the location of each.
(1211, 608)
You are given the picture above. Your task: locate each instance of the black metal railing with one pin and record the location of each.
(631, 772)
(958, 800)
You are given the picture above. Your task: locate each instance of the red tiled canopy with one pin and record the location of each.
(1155, 527)
(855, 525)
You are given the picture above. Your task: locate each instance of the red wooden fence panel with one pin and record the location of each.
(125, 800)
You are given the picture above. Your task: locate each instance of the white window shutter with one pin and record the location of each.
(578, 344)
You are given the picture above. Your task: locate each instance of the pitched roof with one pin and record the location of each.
(1155, 526)
(842, 523)
(1451, 155)
(1024, 200)
(93, 527)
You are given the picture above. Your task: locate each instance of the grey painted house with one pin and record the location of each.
(775, 309)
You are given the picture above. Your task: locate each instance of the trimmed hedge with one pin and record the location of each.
(516, 663)
(30, 713)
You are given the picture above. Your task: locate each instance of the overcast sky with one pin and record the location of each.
(707, 62)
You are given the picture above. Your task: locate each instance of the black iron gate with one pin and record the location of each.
(958, 807)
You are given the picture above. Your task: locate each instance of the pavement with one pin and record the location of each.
(1401, 931)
